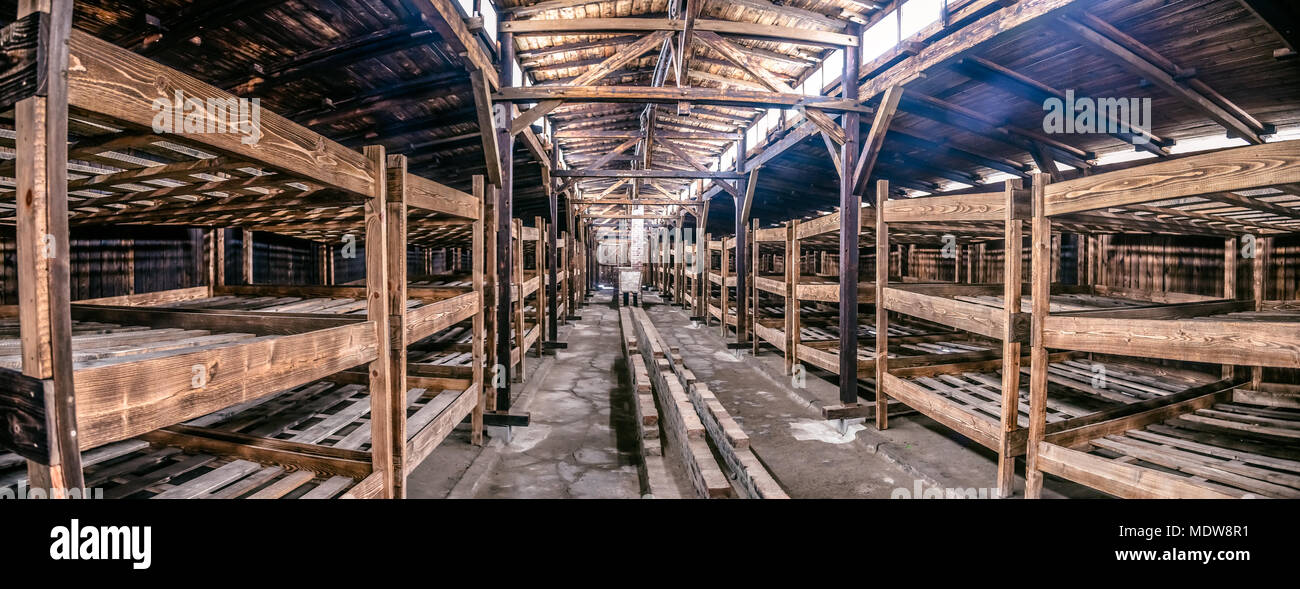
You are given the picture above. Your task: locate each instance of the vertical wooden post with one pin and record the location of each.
(1041, 296)
(130, 265)
(792, 275)
(44, 251)
(246, 250)
(850, 225)
(382, 451)
(323, 264)
(742, 251)
(1259, 285)
(545, 301)
(1013, 244)
(751, 318)
(503, 116)
(492, 302)
(479, 334)
(723, 293)
(521, 328)
(1229, 282)
(395, 281)
(552, 253)
(882, 315)
(210, 256)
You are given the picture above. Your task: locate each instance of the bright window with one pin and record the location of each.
(917, 14)
(489, 18)
(833, 67)
(881, 37)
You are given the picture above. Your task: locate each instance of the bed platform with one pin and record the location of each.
(1215, 446)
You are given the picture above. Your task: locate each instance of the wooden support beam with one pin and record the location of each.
(796, 35)
(882, 314)
(1107, 41)
(246, 253)
(45, 252)
(1014, 213)
(487, 125)
(741, 257)
(552, 254)
(620, 58)
(505, 267)
(668, 95)
(397, 337)
(631, 174)
(445, 18)
(871, 148)
(382, 444)
(991, 73)
(850, 226)
(596, 165)
(754, 67)
(1041, 293)
(1238, 168)
(694, 162)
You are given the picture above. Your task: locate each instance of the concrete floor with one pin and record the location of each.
(810, 456)
(581, 442)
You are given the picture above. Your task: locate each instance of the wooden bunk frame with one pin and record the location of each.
(971, 308)
(1252, 333)
(919, 345)
(112, 89)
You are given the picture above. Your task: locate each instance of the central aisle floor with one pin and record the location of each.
(809, 456)
(581, 442)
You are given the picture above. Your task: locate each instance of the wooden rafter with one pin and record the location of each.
(613, 62)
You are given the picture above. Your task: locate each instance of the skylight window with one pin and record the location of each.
(918, 14)
(832, 68)
(880, 37)
(489, 18)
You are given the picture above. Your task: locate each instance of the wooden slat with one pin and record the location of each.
(1241, 168)
(109, 80)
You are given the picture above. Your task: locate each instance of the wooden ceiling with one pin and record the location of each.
(381, 71)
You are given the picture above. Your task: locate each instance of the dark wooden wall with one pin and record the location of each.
(121, 260)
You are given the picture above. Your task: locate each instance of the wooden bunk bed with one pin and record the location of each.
(986, 400)
(805, 327)
(144, 364)
(1219, 441)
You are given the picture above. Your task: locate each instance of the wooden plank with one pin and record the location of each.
(211, 481)
(1041, 286)
(982, 430)
(1119, 479)
(1247, 343)
(1240, 168)
(45, 250)
(981, 319)
(429, 319)
(482, 84)
(669, 95)
(115, 82)
(23, 415)
(988, 206)
(1136, 418)
(121, 400)
(24, 52)
(1012, 266)
(370, 487)
(151, 298)
(727, 27)
(876, 136)
(422, 193)
(449, 414)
